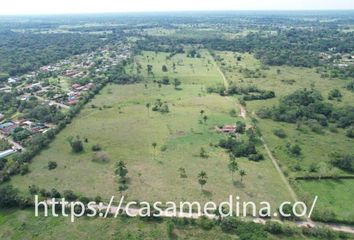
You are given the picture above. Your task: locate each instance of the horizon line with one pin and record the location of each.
(172, 11)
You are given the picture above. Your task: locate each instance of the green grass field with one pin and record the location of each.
(333, 196)
(126, 130)
(188, 70)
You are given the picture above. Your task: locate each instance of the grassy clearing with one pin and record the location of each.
(188, 70)
(333, 196)
(126, 132)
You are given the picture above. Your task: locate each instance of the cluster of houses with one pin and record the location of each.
(7, 128)
(75, 67)
(338, 59)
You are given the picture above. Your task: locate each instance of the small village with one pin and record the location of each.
(57, 87)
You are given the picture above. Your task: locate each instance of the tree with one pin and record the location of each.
(242, 174)
(202, 112)
(205, 118)
(164, 68)
(76, 144)
(154, 145)
(148, 105)
(240, 127)
(52, 165)
(182, 172)
(203, 153)
(233, 166)
(176, 83)
(202, 179)
(8, 196)
(149, 69)
(121, 169)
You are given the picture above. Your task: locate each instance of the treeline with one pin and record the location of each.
(307, 106)
(249, 93)
(294, 47)
(24, 52)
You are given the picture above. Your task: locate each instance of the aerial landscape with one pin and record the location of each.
(205, 124)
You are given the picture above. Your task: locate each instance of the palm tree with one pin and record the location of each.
(121, 169)
(148, 108)
(202, 179)
(233, 167)
(154, 145)
(242, 174)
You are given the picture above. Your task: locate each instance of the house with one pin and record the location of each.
(70, 73)
(75, 86)
(13, 80)
(227, 129)
(7, 128)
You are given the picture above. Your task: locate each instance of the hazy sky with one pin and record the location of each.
(91, 6)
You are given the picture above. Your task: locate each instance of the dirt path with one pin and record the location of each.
(243, 112)
(276, 165)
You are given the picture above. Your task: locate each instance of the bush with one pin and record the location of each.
(52, 165)
(345, 162)
(33, 189)
(96, 148)
(229, 224)
(274, 228)
(69, 195)
(350, 133)
(206, 223)
(8, 196)
(256, 157)
(24, 169)
(76, 145)
(170, 227)
(279, 133)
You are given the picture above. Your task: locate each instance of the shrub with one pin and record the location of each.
(76, 144)
(206, 223)
(170, 227)
(8, 196)
(350, 132)
(52, 165)
(256, 157)
(345, 162)
(69, 195)
(96, 148)
(24, 169)
(279, 133)
(229, 224)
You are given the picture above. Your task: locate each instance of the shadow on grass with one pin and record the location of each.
(238, 184)
(207, 193)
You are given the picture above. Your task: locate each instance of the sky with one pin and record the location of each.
(14, 7)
